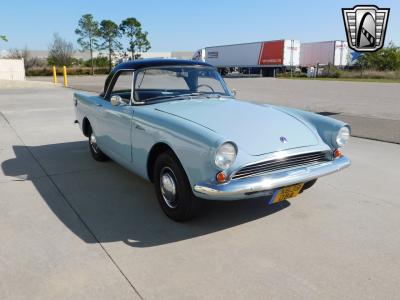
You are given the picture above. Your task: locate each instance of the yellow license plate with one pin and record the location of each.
(286, 193)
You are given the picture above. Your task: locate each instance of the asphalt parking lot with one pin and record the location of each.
(74, 228)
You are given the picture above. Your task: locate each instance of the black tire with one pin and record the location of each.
(97, 154)
(176, 199)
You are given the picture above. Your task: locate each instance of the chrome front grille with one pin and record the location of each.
(287, 162)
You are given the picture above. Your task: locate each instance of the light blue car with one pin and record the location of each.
(177, 124)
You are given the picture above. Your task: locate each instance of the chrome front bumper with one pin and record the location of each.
(265, 185)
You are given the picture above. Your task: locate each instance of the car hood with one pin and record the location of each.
(256, 129)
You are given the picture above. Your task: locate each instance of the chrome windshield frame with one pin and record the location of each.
(224, 86)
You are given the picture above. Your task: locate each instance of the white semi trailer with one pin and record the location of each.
(266, 56)
(334, 53)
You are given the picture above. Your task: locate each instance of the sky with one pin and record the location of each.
(175, 25)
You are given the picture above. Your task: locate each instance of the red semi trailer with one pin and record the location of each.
(266, 56)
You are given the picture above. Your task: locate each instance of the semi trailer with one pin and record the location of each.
(335, 53)
(265, 57)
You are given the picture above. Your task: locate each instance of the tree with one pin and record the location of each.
(29, 61)
(99, 61)
(19, 54)
(110, 34)
(88, 32)
(130, 27)
(385, 59)
(3, 37)
(143, 44)
(60, 51)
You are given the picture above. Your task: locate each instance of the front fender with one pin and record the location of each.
(193, 144)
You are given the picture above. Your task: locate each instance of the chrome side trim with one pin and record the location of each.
(264, 185)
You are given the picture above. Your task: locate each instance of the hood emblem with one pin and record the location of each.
(283, 139)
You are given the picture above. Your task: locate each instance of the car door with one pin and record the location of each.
(115, 120)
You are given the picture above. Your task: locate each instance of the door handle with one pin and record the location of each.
(99, 105)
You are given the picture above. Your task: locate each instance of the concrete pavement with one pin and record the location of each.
(40, 257)
(75, 228)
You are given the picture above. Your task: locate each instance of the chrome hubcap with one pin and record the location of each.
(168, 187)
(93, 143)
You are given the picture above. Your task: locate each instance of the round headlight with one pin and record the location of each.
(225, 156)
(343, 136)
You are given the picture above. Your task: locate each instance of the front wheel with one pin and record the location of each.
(173, 188)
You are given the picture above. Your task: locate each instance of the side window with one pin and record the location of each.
(123, 85)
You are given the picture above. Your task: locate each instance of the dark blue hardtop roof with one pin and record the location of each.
(160, 62)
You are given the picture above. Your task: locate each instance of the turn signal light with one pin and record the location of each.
(337, 153)
(221, 177)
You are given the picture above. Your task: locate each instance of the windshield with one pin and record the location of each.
(178, 82)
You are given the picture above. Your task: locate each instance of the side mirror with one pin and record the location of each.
(234, 92)
(116, 100)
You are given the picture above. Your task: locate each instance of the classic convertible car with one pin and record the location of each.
(177, 124)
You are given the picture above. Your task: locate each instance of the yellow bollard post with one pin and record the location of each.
(54, 75)
(65, 76)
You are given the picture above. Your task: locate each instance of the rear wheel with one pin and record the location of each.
(97, 154)
(173, 188)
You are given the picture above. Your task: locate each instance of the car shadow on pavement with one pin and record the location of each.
(115, 204)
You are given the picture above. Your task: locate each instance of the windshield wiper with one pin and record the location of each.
(207, 95)
(190, 95)
(174, 96)
(162, 97)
